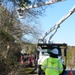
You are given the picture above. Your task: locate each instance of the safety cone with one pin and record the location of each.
(71, 73)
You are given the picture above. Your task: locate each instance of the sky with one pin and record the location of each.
(53, 13)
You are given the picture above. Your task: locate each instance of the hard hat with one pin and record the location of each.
(54, 51)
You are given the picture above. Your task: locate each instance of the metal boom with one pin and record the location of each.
(41, 4)
(22, 9)
(57, 25)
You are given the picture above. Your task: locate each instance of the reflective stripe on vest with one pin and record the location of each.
(52, 68)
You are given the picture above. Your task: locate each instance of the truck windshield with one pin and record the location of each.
(44, 52)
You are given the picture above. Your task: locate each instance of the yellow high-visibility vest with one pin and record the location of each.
(52, 66)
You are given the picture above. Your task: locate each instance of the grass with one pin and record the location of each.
(26, 71)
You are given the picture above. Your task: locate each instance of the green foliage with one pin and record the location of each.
(25, 71)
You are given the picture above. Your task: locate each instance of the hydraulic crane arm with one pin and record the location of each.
(57, 25)
(20, 10)
(41, 4)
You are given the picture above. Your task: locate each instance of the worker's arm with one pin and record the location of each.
(60, 66)
(44, 64)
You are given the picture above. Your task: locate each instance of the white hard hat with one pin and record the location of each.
(54, 51)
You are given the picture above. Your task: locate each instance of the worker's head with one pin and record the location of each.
(53, 52)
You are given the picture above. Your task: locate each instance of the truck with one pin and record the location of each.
(42, 52)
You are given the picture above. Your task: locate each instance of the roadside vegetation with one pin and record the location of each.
(10, 44)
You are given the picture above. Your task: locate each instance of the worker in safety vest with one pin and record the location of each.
(52, 65)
